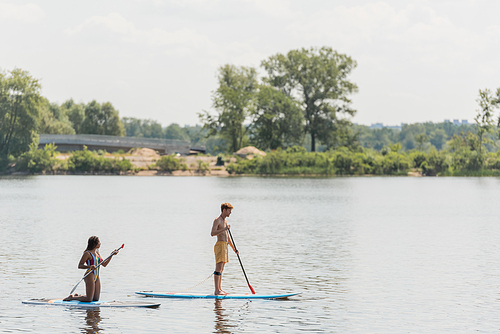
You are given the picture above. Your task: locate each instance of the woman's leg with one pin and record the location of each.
(97, 289)
(89, 288)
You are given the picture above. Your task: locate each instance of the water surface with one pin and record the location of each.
(368, 254)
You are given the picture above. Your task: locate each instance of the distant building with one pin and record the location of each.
(457, 122)
(377, 126)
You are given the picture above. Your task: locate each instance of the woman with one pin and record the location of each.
(90, 261)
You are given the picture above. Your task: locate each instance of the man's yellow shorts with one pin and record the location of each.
(221, 252)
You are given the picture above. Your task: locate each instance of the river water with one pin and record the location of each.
(368, 254)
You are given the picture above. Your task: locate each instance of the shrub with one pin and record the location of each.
(82, 161)
(203, 167)
(87, 161)
(168, 163)
(37, 160)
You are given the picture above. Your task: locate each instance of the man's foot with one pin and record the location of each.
(220, 293)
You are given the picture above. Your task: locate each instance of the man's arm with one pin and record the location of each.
(230, 242)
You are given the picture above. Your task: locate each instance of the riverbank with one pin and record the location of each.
(294, 161)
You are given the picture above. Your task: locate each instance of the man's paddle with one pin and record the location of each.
(241, 264)
(109, 257)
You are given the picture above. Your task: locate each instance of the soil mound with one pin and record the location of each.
(144, 152)
(250, 150)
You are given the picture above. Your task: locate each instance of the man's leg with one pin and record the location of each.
(219, 267)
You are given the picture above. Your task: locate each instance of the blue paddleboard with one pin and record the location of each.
(76, 303)
(200, 295)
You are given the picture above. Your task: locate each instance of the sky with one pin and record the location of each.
(417, 60)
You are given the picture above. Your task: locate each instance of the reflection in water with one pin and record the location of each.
(224, 319)
(92, 320)
(222, 323)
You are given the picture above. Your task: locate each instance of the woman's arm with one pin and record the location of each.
(83, 262)
(106, 262)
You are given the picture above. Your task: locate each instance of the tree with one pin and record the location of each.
(75, 113)
(102, 120)
(484, 117)
(318, 80)
(19, 111)
(53, 119)
(133, 126)
(233, 101)
(146, 128)
(277, 120)
(421, 140)
(174, 131)
(438, 138)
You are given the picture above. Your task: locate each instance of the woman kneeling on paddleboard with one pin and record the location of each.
(90, 261)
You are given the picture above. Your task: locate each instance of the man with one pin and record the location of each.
(219, 229)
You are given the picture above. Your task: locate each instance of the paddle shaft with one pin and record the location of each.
(241, 264)
(109, 257)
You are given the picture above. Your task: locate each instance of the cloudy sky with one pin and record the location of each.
(417, 60)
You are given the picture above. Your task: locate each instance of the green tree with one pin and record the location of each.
(277, 120)
(484, 116)
(75, 113)
(102, 120)
(133, 126)
(152, 129)
(233, 101)
(174, 131)
(438, 138)
(421, 140)
(19, 111)
(318, 80)
(53, 119)
(146, 128)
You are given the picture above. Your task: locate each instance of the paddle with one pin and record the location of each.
(109, 257)
(241, 264)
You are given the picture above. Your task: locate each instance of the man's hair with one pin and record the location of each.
(224, 206)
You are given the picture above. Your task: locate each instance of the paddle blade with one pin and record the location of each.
(123, 245)
(251, 289)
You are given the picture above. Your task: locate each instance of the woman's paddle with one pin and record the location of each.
(109, 257)
(241, 264)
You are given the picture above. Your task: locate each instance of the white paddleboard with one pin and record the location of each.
(76, 303)
(199, 295)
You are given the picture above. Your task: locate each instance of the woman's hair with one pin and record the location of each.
(93, 242)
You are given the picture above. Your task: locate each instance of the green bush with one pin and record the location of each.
(203, 167)
(37, 160)
(87, 161)
(168, 163)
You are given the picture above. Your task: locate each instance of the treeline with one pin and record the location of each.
(462, 160)
(303, 100)
(80, 118)
(419, 136)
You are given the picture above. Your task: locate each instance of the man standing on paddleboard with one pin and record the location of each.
(219, 229)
